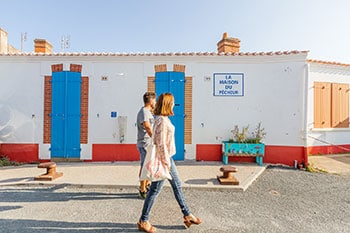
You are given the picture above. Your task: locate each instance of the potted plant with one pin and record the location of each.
(244, 144)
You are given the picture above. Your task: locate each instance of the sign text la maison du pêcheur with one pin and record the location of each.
(228, 84)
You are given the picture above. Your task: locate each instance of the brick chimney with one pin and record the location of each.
(228, 44)
(42, 46)
(3, 41)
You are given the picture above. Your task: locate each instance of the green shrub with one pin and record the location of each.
(5, 161)
(243, 136)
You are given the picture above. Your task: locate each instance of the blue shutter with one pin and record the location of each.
(174, 82)
(65, 116)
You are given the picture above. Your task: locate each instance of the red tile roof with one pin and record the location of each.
(327, 62)
(159, 54)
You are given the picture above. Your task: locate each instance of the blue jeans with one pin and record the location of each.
(157, 186)
(143, 153)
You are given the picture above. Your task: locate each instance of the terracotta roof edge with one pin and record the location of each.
(328, 62)
(156, 53)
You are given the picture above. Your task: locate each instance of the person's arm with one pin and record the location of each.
(148, 128)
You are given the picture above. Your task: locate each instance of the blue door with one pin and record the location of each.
(65, 115)
(174, 82)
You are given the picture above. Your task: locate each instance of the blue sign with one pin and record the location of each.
(228, 84)
(113, 114)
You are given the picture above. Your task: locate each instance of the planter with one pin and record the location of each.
(243, 149)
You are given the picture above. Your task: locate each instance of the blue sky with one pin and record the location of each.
(321, 26)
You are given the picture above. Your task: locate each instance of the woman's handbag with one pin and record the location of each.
(153, 169)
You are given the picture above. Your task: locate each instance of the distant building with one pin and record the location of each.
(83, 106)
(5, 47)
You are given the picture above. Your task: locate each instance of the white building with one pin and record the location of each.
(83, 106)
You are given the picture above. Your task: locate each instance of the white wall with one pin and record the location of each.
(273, 96)
(122, 93)
(332, 74)
(21, 89)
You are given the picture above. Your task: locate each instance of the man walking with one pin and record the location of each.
(145, 121)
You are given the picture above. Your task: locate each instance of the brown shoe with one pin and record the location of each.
(146, 227)
(191, 219)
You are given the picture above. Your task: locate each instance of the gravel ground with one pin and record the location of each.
(280, 200)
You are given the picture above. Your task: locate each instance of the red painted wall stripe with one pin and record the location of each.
(213, 152)
(205, 152)
(27, 153)
(273, 154)
(115, 152)
(322, 150)
(209, 152)
(284, 154)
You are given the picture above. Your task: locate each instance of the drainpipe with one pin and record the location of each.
(305, 112)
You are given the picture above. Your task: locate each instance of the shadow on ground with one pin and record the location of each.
(343, 159)
(202, 181)
(24, 225)
(31, 194)
(27, 225)
(20, 179)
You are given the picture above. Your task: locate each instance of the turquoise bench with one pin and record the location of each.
(243, 150)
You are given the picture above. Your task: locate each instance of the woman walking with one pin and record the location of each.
(164, 133)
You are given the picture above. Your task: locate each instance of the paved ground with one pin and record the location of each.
(122, 174)
(96, 198)
(280, 200)
(335, 164)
